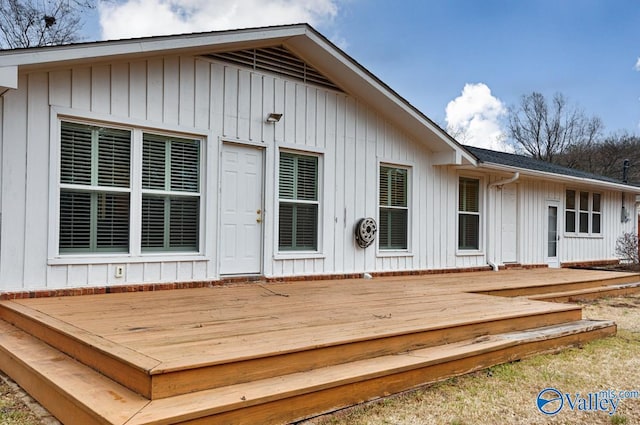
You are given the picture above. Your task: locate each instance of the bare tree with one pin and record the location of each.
(34, 23)
(606, 156)
(544, 129)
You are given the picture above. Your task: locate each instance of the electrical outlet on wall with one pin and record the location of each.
(119, 271)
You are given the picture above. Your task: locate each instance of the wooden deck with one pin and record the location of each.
(272, 353)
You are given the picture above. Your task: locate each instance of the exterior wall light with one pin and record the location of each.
(273, 118)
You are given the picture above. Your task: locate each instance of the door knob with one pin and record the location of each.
(258, 220)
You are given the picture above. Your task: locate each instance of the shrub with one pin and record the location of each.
(627, 248)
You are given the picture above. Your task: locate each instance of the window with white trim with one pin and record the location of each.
(393, 226)
(468, 213)
(298, 202)
(583, 212)
(96, 190)
(170, 193)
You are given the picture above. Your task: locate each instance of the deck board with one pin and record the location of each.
(168, 344)
(214, 325)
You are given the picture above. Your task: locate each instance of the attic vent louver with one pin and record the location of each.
(276, 60)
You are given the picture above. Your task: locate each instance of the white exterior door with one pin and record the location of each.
(553, 236)
(509, 223)
(241, 210)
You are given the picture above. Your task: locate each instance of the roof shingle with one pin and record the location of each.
(528, 163)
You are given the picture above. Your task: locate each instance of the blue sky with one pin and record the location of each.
(428, 51)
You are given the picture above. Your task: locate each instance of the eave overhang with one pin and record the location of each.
(301, 39)
(578, 181)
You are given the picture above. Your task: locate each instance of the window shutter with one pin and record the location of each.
(183, 223)
(468, 213)
(75, 220)
(307, 178)
(153, 163)
(468, 195)
(285, 229)
(287, 176)
(153, 221)
(398, 187)
(185, 162)
(306, 226)
(93, 219)
(393, 228)
(298, 208)
(75, 154)
(114, 153)
(112, 231)
(393, 210)
(170, 221)
(468, 231)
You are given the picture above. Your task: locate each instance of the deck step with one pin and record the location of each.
(590, 293)
(78, 395)
(542, 288)
(71, 391)
(301, 395)
(155, 380)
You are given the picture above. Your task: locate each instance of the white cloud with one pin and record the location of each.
(473, 118)
(137, 18)
(637, 66)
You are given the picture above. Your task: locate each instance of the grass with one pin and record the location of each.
(13, 410)
(502, 394)
(507, 393)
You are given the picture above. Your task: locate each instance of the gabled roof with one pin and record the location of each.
(538, 168)
(300, 39)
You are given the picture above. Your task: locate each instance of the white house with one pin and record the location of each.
(256, 153)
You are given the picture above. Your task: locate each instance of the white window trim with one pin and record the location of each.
(577, 234)
(408, 252)
(137, 128)
(481, 214)
(302, 254)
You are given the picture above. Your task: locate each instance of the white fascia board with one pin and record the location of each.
(8, 78)
(356, 80)
(147, 46)
(562, 178)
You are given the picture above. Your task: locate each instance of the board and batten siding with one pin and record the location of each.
(222, 103)
(533, 196)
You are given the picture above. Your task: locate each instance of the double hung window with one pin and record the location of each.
(98, 195)
(394, 208)
(468, 214)
(298, 202)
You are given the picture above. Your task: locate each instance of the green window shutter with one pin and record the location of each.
(393, 211)
(75, 220)
(393, 228)
(170, 222)
(183, 223)
(153, 221)
(298, 208)
(92, 218)
(114, 153)
(112, 221)
(75, 154)
(185, 166)
(307, 178)
(153, 163)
